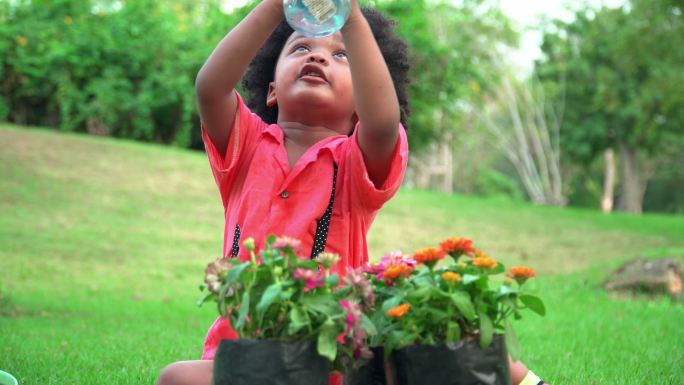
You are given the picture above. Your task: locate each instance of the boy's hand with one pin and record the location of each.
(375, 99)
(275, 3)
(223, 69)
(354, 13)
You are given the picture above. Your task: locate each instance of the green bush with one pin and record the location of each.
(124, 69)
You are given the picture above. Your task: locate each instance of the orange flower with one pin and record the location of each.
(457, 246)
(521, 273)
(479, 253)
(398, 311)
(451, 277)
(395, 271)
(483, 260)
(429, 255)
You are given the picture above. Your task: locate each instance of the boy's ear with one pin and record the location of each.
(271, 95)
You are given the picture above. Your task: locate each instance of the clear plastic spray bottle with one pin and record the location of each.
(316, 18)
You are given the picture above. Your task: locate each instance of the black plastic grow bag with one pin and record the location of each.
(461, 363)
(257, 362)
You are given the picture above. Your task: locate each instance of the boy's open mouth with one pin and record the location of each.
(312, 72)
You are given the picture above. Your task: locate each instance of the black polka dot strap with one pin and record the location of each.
(321, 237)
(236, 242)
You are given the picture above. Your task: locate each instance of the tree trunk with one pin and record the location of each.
(608, 181)
(633, 185)
(446, 159)
(527, 131)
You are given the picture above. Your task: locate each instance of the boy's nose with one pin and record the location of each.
(317, 58)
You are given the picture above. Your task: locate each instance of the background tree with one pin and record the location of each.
(526, 129)
(622, 71)
(123, 69)
(450, 48)
(451, 67)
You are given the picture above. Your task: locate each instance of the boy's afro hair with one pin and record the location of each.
(261, 70)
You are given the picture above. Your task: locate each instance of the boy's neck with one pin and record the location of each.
(304, 135)
(300, 137)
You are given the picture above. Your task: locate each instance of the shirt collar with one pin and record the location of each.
(275, 132)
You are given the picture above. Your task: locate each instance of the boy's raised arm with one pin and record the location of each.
(375, 99)
(225, 66)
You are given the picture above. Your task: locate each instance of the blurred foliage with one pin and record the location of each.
(617, 74)
(664, 193)
(451, 58)
(118, 68)
(127, 68)
(494, 183)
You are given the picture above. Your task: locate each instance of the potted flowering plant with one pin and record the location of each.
(288, 311)
(449, 323)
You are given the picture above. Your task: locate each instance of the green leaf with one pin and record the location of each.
(327, 340)
(368, 325)
(509, 302)
(470, 278)
(244, 310)
(511, 339)
(298, 320)
(500, 268)
(234, 273)
(223, 312)
(486, 330)
(453, 332)
(321, 304)
(311, 265)
(206, 298)
(270, 294)
(392, 302)
(286, 294)
(396, 340)
(437, 314)
(333, 280)
(533, 303)
(505, 290)
(423, 279)
(463, 304)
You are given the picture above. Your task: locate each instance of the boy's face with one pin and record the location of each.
(313, 84)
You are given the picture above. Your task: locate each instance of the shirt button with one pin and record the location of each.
(284, 194)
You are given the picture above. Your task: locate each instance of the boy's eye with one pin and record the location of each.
(301, 48)
(340, 54)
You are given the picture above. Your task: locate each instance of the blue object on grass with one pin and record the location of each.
(7, 379)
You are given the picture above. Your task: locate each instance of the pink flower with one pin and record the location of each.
(371, 269)
(394, 265)
(358, 281)
(327, 260)
(312, 279)
(354, 330)
(214, 274)
(285, 242)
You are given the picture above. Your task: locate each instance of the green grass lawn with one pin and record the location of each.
(103, 244)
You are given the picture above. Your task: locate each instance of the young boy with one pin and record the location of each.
(318, 151)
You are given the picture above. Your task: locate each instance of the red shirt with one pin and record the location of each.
(262, 196)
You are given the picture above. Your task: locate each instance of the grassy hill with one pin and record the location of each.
(103, 243)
